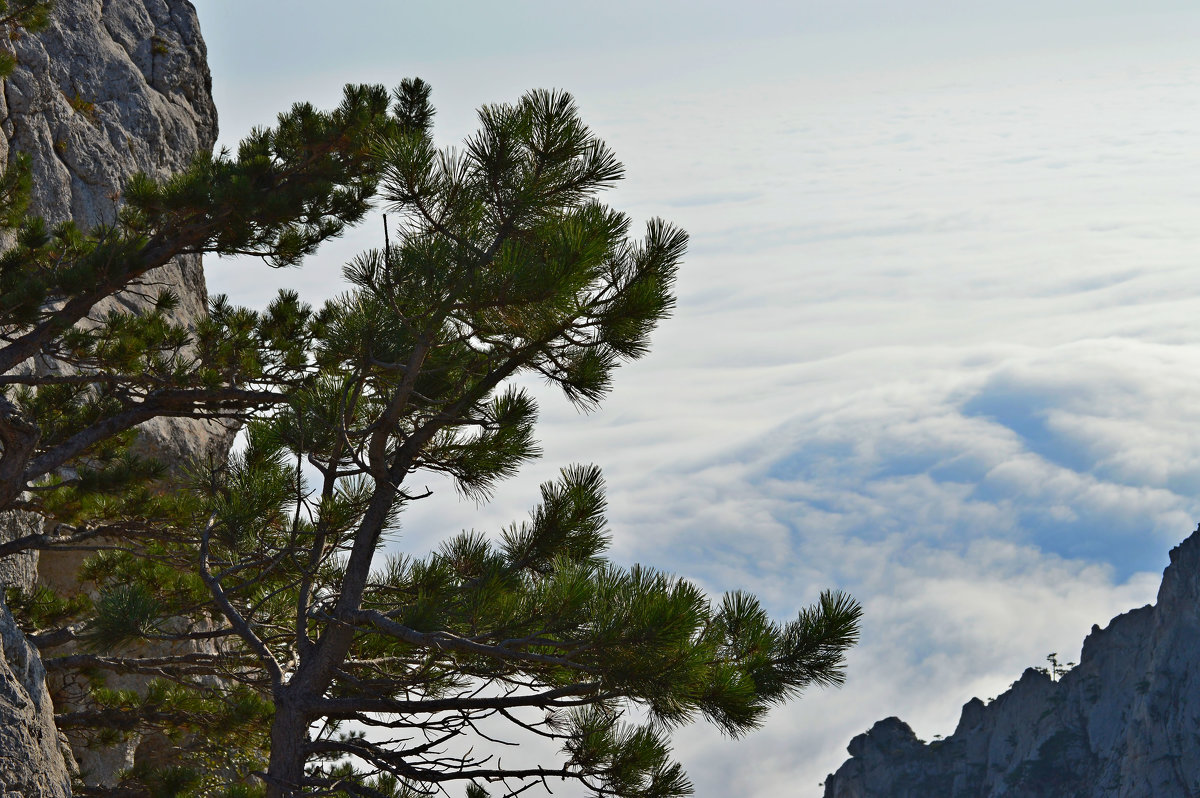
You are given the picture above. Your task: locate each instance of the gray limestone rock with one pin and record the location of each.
(111, 88)
(1124, 723)
(19, 570)
(32, 762)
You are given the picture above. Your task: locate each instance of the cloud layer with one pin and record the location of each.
(936, 341)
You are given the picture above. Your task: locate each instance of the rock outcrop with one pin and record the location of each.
(1124, 723)
(110, 88)
(33, 762)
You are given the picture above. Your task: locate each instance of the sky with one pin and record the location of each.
(936, 341)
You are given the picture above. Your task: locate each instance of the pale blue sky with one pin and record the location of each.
(936, 341)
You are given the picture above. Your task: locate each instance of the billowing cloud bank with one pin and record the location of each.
(937, 340)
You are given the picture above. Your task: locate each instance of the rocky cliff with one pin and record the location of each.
(111, 88)
(1124, 723)
(34, 759)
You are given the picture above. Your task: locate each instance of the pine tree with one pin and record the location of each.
(288, 189)
(329, 669)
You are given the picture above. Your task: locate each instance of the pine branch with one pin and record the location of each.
(349, 707)
(446, 641)
(240, 625)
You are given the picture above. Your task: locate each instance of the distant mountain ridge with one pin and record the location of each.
(1124, 723)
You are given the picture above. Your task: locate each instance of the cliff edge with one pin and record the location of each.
(1124, 723)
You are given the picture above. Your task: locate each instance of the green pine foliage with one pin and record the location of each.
(24, 16)
(287, 655)
(289, 188)
(17, 18)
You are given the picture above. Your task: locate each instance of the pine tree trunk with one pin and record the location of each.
(286, 767)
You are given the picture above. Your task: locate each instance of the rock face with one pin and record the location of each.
(18, 570)
(32, 763)
(1124, 723)
(111, 88)
(34, 758)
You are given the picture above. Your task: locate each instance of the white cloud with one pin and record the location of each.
(936, 343)
(941, 628)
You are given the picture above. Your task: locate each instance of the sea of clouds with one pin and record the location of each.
(937, 341)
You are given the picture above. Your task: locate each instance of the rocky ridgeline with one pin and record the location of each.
(1124, 723)
(111, 88)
